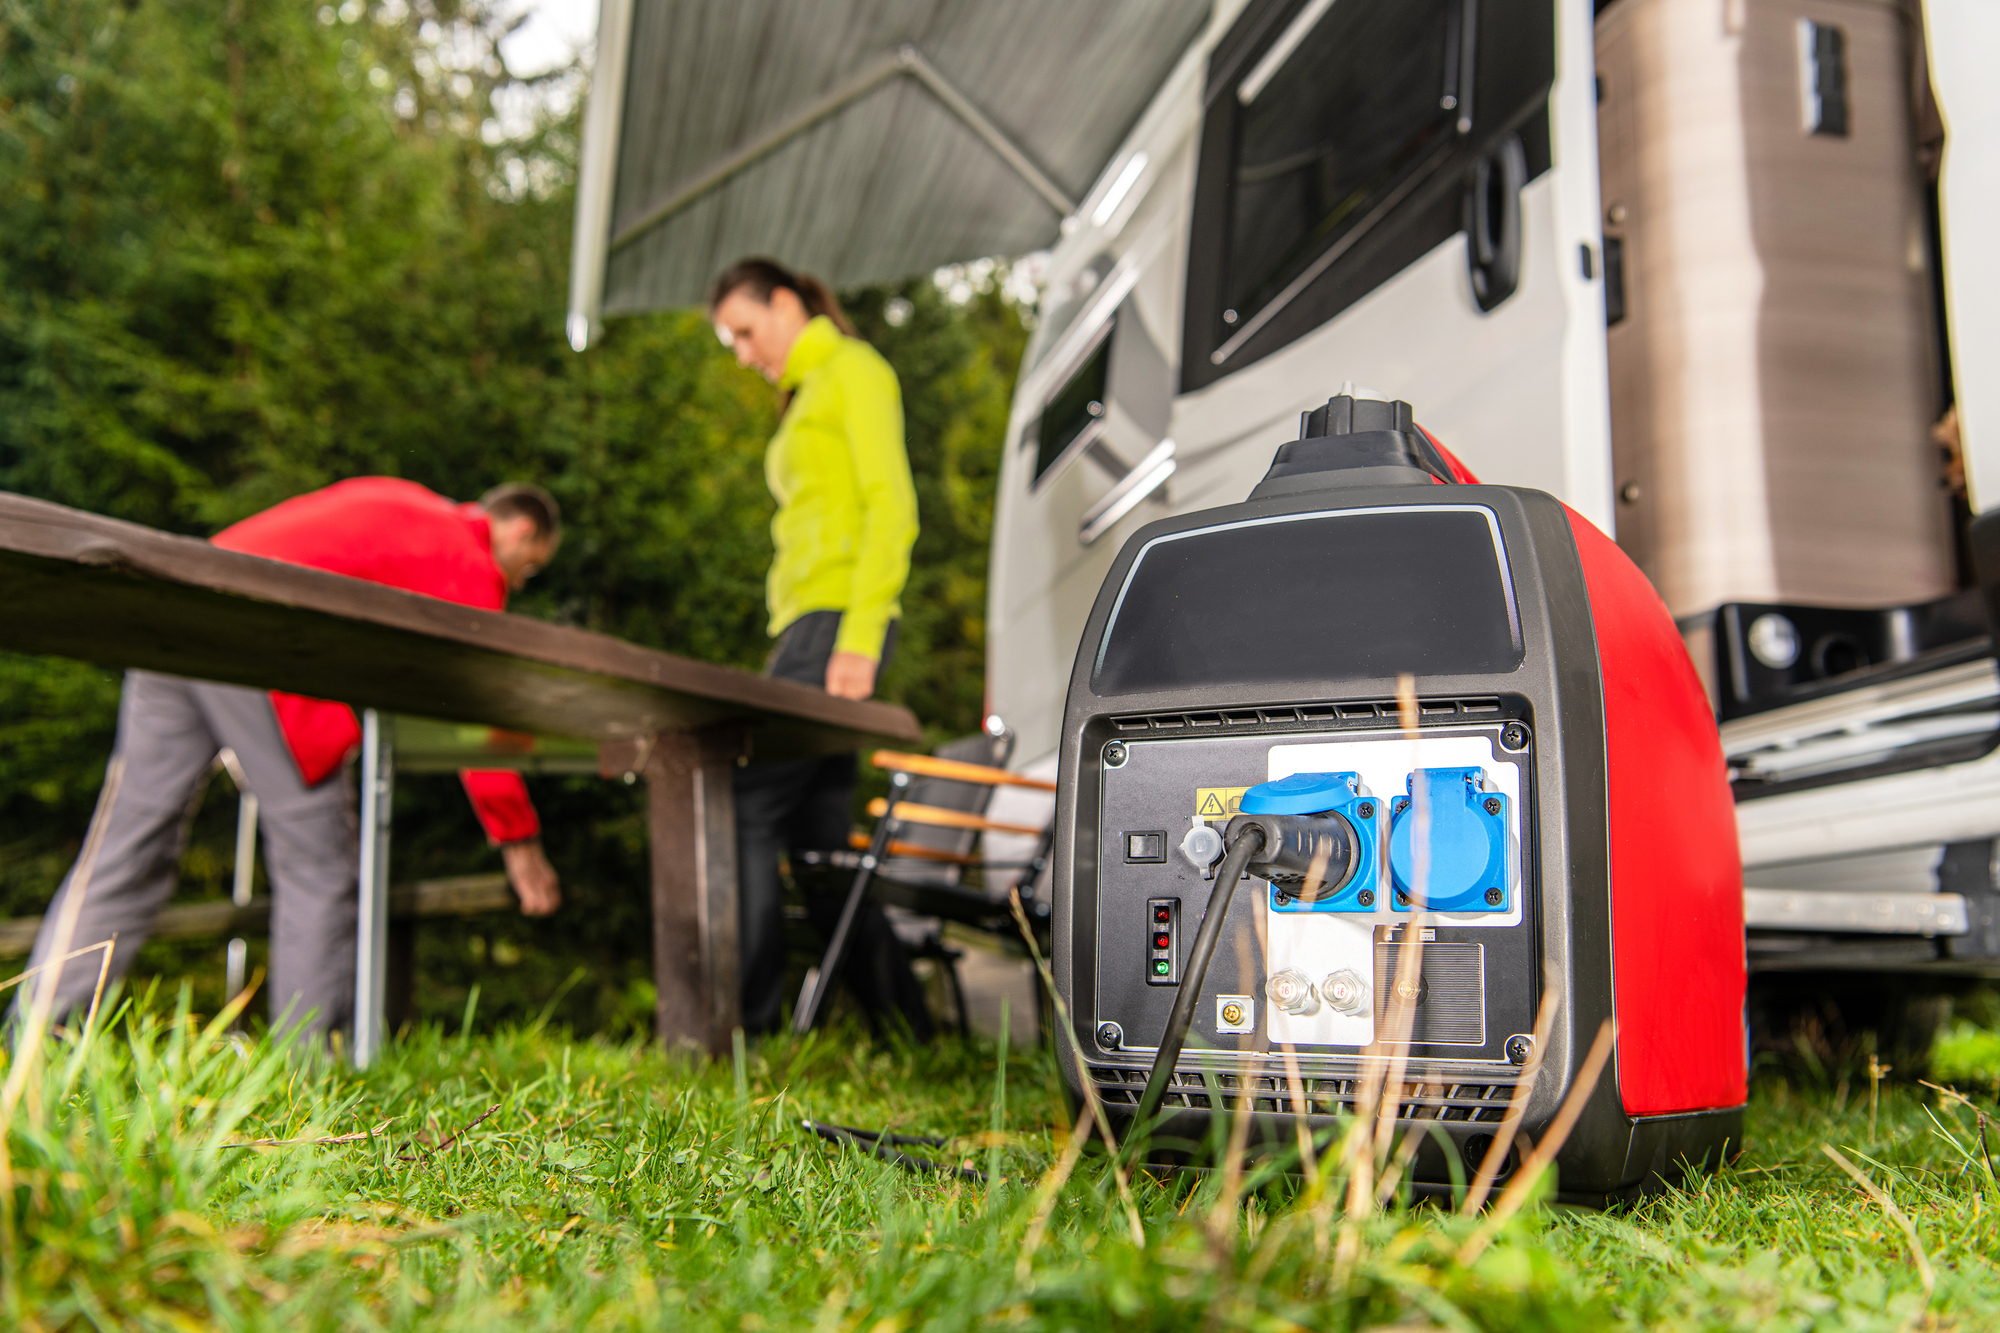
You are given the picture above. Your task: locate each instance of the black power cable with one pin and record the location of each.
(1249, 841)
(884, 1145)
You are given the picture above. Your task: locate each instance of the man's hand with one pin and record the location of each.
(533, 878)
(850, 676)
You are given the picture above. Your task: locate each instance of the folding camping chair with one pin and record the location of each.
(925, 840)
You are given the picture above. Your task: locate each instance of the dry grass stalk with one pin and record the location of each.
(356, 1137)
(28, 1041)
(432, 1152)
(1366, 1146)
(1046, 1194)
(1308, 1152)
(1406, 1153)
(1222, 1216)
(1517, 1105)
(28, 1046)
(1925, 1273)
(1876, 1072)
(1090, 1098)
(1979, 1119)
(1516, 1194)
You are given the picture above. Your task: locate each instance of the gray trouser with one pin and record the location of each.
(169, 731)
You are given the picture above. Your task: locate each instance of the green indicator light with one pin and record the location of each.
(1161, 967)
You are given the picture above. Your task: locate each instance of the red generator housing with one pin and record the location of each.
(1560, 822)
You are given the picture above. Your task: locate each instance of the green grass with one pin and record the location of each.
(611, 1187)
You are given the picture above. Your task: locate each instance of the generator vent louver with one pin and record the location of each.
(1366, 712)
(1430, 1099)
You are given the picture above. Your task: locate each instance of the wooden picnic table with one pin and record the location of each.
(121, 595)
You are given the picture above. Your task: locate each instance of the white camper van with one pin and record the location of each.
(1715, 272)
(1685, 264)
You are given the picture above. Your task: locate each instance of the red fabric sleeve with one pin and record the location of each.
(320, 734)
(500, 799)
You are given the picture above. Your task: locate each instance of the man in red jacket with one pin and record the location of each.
(293, 750)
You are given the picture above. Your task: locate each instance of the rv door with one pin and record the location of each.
(1402, 194)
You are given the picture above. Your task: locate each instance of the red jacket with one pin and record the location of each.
(386, 530)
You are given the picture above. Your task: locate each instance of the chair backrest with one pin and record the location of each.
(971, 797)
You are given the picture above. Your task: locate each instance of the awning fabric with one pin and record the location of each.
(861, 140)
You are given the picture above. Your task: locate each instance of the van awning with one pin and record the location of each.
(861, 140)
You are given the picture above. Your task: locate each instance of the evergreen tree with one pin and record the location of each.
(247, 250)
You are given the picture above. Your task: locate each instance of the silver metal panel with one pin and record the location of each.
(1773, 381)
(1904, 870)
(1928, 806)
(1025, 102)
(1852, 710)
(1865, 913)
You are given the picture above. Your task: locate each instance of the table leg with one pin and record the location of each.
(691, 817)
(378, 776)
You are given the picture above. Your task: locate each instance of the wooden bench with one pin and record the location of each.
(120, 595)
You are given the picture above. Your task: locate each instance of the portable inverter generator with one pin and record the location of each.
(1559, 821)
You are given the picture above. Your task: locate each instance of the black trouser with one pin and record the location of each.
(804, 805)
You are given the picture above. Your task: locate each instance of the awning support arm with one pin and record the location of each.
(994, 137)
(905, 59)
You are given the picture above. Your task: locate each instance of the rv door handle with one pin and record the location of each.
(1151, 474)
(1493, 222)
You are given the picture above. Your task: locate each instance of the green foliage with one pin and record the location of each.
(527, 1181)
(248, 250)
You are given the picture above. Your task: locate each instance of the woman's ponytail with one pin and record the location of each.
(820, 301)
(761, 277)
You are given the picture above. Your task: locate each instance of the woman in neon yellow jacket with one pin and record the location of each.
(847, 517)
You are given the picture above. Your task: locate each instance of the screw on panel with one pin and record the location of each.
(1519, 1048)
(1114, 754)
(1493, 897)
(1366, 810)
(1514, 736)
(1401, 804)
(1110, 1036)
(1366, 897)
(1493, 805)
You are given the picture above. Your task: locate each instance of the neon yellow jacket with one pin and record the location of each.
(847, 511)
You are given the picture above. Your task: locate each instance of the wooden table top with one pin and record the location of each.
(79, 585)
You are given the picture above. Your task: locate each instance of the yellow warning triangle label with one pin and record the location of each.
(1211, 806)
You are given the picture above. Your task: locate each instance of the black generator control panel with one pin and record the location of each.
(1433, 823)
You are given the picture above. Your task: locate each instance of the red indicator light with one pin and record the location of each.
(1162, 941)
(1163, 914)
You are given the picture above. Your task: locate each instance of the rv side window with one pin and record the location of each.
(1365, 101)
(1337, 142)
(1075, 415)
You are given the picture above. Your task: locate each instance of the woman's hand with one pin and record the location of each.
(533, 878)
(850, 676)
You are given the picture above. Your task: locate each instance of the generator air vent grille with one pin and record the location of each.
(1373, 711)
(1433, 1099)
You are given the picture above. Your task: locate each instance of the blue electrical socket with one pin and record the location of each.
(1329, 793)
(1469, 847)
